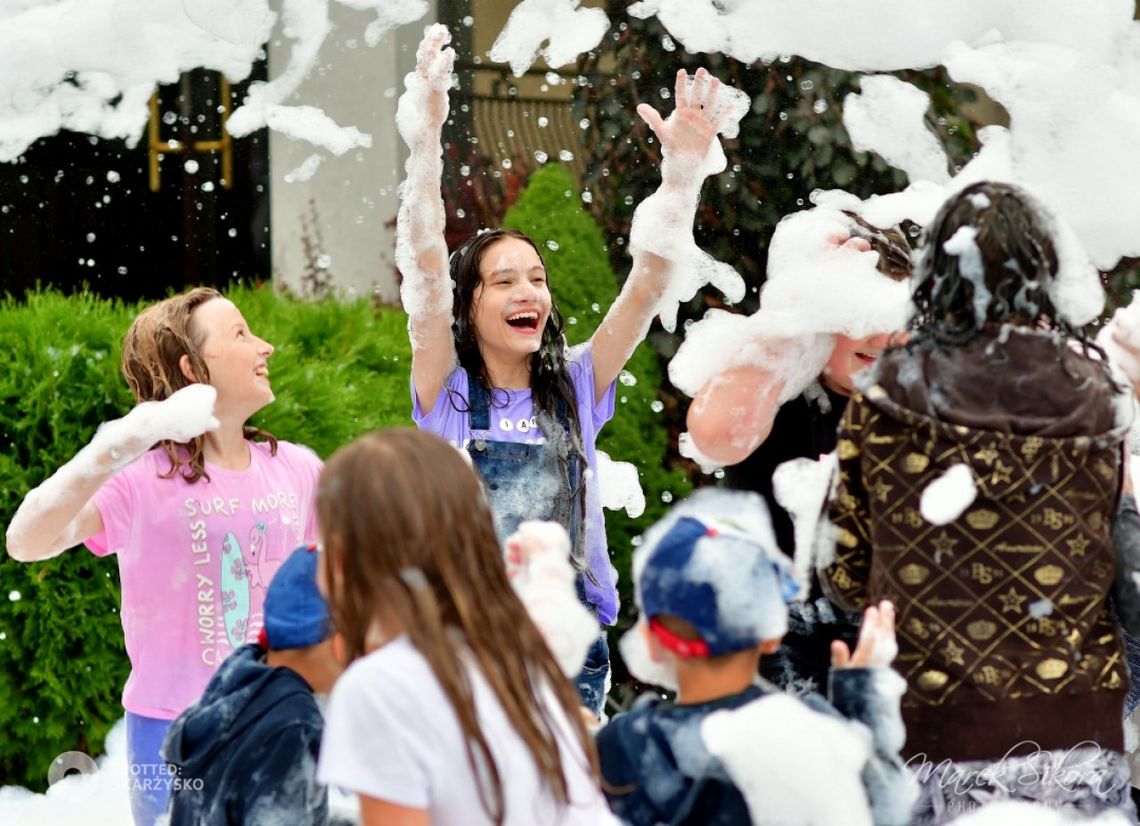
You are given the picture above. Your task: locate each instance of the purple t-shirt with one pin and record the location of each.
(514, 421)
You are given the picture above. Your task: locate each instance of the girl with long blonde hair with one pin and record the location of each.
(453, 710)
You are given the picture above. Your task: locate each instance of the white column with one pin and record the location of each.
(336, 220)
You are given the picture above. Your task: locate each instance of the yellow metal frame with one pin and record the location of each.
(159, 147)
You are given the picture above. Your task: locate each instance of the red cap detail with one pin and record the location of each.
(263, 638)
(678, 645)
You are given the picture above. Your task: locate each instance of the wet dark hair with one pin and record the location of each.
(890, 243)
(1016, 263)
(550, 382)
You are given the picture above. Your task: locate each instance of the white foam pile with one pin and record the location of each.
(1069, 76)
(97, 798)
(781, 755)
(556, 30)
(619, 486)
(92, 66)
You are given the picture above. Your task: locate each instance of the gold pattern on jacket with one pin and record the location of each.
(1008, 600)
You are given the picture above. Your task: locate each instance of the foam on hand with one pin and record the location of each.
(421, 255)
(544, 580)
(663, 223)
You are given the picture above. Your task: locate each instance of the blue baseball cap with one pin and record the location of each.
(713, 562)
(296, 615)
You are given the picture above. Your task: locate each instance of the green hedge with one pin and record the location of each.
(340, 369)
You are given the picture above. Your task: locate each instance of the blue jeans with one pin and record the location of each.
(593, 680)
(1132, 655)
(147, 774)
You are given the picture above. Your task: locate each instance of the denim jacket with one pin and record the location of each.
(657, 770)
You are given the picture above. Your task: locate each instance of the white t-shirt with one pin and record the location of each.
(391, 734)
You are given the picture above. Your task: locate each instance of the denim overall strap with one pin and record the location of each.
(480, 417)
(503, 464)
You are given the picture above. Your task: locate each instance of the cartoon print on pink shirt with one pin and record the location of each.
(256, 557)
(235, 591)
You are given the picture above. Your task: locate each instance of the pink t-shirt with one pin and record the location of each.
(194, 562)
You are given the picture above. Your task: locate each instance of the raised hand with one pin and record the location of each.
(185, 415)
(434, 61)
(535, 538)
(876, 647)
(694, 123)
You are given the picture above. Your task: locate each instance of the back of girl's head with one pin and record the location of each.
(408, 536)
(158, 339)
(397, 501)
(987, 257)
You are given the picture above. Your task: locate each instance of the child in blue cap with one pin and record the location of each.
(246, 752)
(712, 588)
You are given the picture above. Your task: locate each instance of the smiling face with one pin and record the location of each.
(238, 360)
(512, 303)
(848, 357)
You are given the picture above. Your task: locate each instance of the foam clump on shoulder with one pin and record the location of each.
(802, 487)
(781, 754)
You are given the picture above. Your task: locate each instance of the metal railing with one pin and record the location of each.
(510, 125)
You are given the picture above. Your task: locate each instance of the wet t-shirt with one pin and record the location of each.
(195, 560)
(512, 419)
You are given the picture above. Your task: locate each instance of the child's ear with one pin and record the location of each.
(186, 368)
(657, 652)
(770, 646)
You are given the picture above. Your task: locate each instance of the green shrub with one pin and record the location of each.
(584, 287)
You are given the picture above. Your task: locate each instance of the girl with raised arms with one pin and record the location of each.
(490, 368)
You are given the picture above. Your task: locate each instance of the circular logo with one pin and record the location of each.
(70, 762)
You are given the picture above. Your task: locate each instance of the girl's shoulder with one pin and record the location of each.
(396, 671)
(286, 450)
(297, 459)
